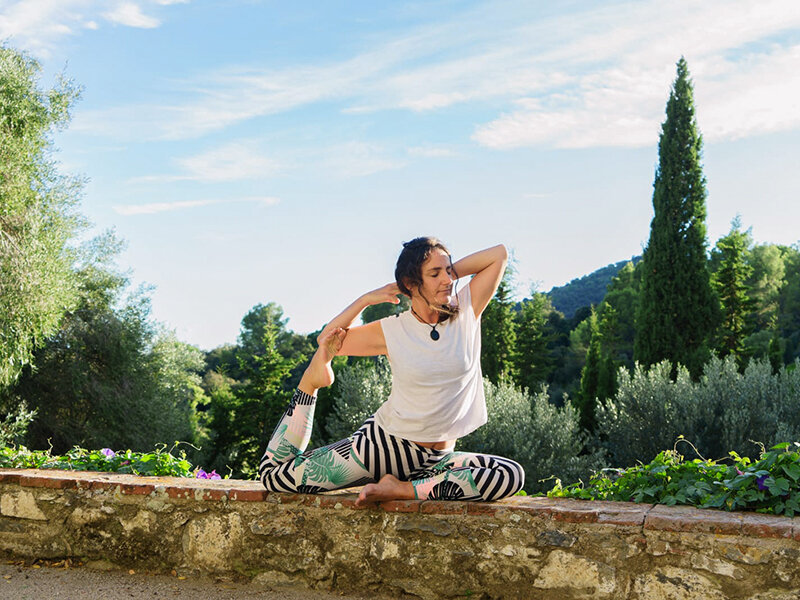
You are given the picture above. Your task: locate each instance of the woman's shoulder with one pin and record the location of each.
(464, 296)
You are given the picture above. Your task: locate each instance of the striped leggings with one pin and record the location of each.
(370, 453)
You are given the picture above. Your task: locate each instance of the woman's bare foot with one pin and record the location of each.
(388, 488)
(319, 373)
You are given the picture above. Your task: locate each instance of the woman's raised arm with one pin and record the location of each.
(362, 340)
(488, 267)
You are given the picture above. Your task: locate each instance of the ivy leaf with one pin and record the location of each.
(779, 486)
(792, 470)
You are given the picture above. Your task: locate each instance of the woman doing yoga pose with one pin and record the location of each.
(406, 449)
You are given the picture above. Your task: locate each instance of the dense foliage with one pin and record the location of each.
(498, 333)
(109, 376)
(768, 485)
(677, 314)
(730, 283)
(37, 213)
(249, 388)
(587, 289)
(160, 462)
(721, 412)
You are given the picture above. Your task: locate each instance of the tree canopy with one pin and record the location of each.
(37, 212)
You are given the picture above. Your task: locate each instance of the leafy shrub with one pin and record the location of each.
(362, 388)
(14, 423)
(725, 411)
(546, 440)
(160, 462)
(769, 485)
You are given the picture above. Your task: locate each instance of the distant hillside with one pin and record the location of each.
(586, 290)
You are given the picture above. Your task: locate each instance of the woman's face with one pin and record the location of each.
(437, 278)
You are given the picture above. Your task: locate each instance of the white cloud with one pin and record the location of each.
(233, 161)
(159, 207)
(37, 25)
(131, 15)
(594, 76)
(752, 97)
(621, 103)
(358, 159)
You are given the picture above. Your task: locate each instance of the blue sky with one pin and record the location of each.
(253, 151)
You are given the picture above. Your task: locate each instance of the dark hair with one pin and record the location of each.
(408, 272)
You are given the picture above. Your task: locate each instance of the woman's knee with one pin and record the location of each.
(513, 479)
(274, 480)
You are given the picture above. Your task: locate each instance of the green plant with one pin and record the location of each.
(159, 462)
(545, 439)
(769, 485)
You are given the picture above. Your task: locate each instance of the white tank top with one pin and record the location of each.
(437, 385)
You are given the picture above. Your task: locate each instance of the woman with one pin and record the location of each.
(406, 449)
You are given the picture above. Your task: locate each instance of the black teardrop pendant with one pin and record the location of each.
(434, 335)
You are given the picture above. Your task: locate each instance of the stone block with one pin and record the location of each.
(672, 583)
(576, 575)
(766, 526)
(687, 518)
(22, 505)
(716, 566)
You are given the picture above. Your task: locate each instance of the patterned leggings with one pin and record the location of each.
(370, 453)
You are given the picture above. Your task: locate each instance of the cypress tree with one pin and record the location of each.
(590, 376)
(498, 332)
(599, 374)
(533, 361)
(730, 281)
(677, 309)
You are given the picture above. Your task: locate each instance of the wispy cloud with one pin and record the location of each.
(358, 159)
(131, 15)
(39, 26)
(597, 75)
(619, 100)
(234, 161)
(159, 207)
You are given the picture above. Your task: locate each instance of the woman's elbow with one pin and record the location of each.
(502, 253)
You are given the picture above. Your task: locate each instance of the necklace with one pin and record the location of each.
(434, 333)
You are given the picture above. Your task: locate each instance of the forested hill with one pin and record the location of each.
(586, 290)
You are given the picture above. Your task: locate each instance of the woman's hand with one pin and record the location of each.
(374, 344)
(387, 293)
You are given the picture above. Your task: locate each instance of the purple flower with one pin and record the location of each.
(738, 472)
(201, 474)
(108, 453)
(760, 481)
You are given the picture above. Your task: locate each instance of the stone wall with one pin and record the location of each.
(516, 548)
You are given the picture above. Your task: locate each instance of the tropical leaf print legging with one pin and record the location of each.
(370, 453)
